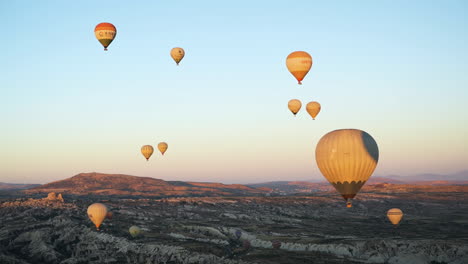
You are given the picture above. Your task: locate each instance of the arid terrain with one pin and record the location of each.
(262, 228)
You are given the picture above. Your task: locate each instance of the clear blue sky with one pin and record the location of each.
(396, 69)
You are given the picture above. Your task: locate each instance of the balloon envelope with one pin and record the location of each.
(109, 215)
(134, 231)
(347, 158)
(177, 54)
(395, 215)
(299, 64)
(162, 146)
(313, 108)
(97, 212)
(276, 244)
(294, 106)
(105, 33)
(246, 244)
(147, 151)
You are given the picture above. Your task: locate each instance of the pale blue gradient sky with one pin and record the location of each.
(396, 69)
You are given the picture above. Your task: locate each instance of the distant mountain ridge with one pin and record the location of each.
(427, 179)
(16, 186)
(119, 184)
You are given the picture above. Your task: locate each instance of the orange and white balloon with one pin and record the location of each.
(105, 33)
(299, 63)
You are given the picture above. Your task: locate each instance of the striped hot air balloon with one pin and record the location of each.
(299, 64)
(313, 108)
(105, 33)
(347, 158)
(294, 106)
(394, 215)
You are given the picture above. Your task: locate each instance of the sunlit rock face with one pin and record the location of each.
(54, 197)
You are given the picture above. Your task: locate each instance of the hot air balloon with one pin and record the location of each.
(162, 146)
(347, 158)
(134, 231)
(313, 108)
(147, 151)
(394, 215)
(109, 215)
(276, 244)
(246, 244)
(177, 54)
(294, 106)
(105, 33)
(97, 212)
(299, 64)
(238, 234)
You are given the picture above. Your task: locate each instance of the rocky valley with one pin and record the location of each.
(313, 228)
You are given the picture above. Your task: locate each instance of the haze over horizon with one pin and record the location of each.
(456, 176)
(396, 70)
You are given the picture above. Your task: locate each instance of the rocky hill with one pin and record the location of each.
(126, 185)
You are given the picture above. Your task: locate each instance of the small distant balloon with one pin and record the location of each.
(105, 33)
(313, 108)
(147, 151)
(299, 63)
(276, 244)
(294, 106)
(162, 146)
(246, 244)
(109, 215)
(134, 231)
(177, 54)
(395, 215)
(97, 212)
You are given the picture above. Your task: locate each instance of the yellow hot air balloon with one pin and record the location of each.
(134, 231)
(299, 64)
(105, 33)
(97, 212)
(147, 151)
(162, 146)
(347, 158)
(294, 106)
(394, 215)
(313, 108)
(177, 54)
